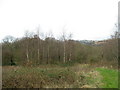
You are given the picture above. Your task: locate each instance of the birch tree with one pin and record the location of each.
(38, 44)
(64, 46)
(27, 42)
(70, 46)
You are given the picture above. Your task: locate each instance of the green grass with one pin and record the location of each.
(109, 77)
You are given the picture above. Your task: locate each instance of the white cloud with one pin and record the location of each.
(86, 19)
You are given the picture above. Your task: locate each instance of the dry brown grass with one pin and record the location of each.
(78, 76)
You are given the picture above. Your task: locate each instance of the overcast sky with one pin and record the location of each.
(86, 19)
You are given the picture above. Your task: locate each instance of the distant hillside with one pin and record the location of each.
(93, 42)
(87, 42)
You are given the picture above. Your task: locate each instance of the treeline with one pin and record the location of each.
(35, 50)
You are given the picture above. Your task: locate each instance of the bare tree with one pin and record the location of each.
(38, 49)
(64, 46)
(27, 42)
(70, 46)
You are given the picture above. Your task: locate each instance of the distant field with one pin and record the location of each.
(52, 76)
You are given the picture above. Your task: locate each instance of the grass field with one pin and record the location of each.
(109, 77)
(52, 76)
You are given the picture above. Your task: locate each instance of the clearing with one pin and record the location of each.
(53, 76)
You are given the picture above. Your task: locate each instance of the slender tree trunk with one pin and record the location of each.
(27, 47)
(70, 56)
(58, 54)
(43, 54)
(27, 54)
(64, 53)
(38, 55)
(48, 55)
(38, 51)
